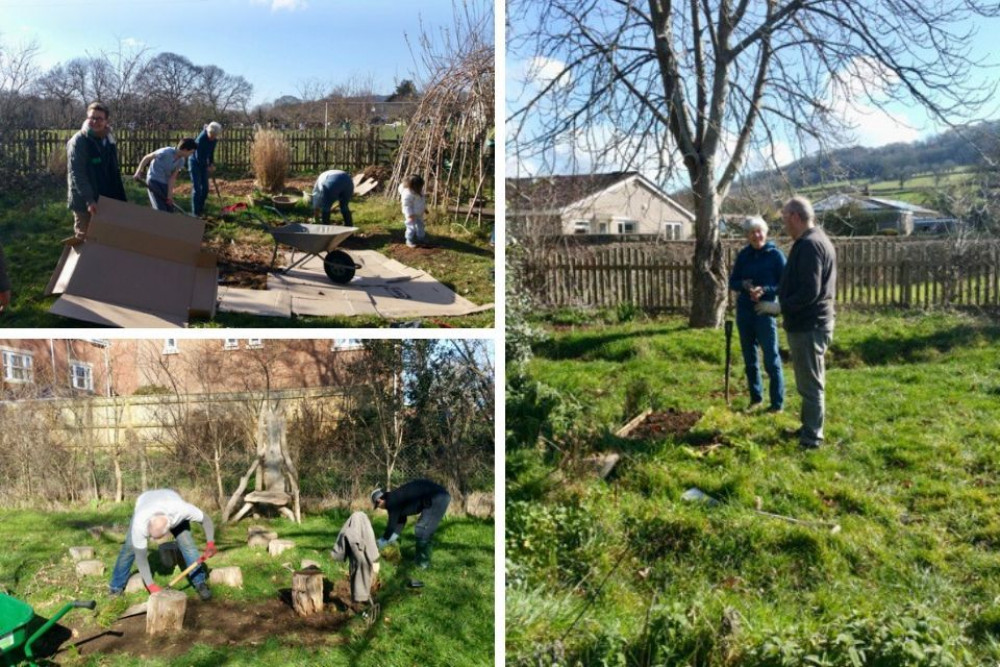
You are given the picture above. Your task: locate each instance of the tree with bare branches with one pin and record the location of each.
(695, 87)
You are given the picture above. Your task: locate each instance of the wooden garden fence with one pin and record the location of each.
(30, 151)
(870, 272)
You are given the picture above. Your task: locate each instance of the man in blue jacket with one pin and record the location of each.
(421, 496)
(755, 276)
(202, 164)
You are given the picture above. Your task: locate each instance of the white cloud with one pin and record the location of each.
(862, 99)
(133, 43)
(278, 5)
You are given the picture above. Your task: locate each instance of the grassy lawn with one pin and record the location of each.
(31, 228)
(449, 621)
(625, 572)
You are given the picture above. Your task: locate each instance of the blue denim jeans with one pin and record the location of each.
(199, 187)
(761, 331)
(126, 557)
(414, 231)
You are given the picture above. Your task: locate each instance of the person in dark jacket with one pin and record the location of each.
(421, 496)
(4, 284)
(806, 292)
(755, 276)
(202, 164)
(92, 170)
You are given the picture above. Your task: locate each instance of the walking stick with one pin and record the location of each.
(729, 354)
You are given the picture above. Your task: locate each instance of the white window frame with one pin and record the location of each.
(581, 227)
(87, 377)
(623, 226)
(11, 369)
(671, 231)
(255, 343)
(231, 344)
(170, 346)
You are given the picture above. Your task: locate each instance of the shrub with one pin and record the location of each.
(545, 540)
(269, 158)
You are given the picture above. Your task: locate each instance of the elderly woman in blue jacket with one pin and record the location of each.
(755, 276)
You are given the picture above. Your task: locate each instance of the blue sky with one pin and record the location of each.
(274, 44)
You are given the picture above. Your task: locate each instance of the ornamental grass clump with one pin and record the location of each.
(269, 157)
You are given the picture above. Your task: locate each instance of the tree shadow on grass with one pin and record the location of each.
(590, 347)
(880, 350)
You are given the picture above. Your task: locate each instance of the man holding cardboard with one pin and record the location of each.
(92, 170)
(158, 512)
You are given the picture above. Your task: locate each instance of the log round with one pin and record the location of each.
(165, 613)
(307, 592)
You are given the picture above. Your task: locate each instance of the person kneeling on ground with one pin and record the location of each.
(333, 186)
(356, 544)
(164, 165)
(158, 512)
(414, 206)
(421, 496)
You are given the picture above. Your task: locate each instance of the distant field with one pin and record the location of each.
(917, 189)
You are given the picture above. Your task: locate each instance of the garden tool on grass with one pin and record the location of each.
(729, 354)
(217, 191)
(141, 608)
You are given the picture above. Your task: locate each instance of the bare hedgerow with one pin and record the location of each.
(270, 158)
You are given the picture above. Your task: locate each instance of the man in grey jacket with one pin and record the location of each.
(92, 168)
(806, 293)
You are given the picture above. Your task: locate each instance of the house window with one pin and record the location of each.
(581, 226)
(671, 231)
(627, 226)
(81, 376)
(231, 344)
(255, 343)
(347, 344)
(17, 366)
(170, 346)
(602, 228)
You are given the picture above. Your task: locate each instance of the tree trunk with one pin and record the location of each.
(307, 592)
(709, 282)
(165, 613)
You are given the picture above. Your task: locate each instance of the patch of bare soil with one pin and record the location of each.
(661, 424)
(241, 264)
(219, 623)
(405, 254)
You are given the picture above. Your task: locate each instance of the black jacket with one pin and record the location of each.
(809, 283)
(411, 498)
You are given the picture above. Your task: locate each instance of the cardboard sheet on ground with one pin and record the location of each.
(382, 286)
(138, 268)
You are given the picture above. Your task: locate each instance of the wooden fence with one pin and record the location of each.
(30, 151)
(870, 272)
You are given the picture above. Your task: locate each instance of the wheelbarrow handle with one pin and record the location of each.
(28, 653)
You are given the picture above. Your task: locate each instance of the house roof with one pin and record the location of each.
(555, 193)
(834, 202)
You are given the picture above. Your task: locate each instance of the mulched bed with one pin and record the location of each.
(241, 264)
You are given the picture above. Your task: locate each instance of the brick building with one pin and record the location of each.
(112, 367)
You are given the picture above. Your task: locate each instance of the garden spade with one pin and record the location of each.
(729, 354)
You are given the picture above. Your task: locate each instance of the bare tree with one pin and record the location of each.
(220, 93)
(17, 72)
(694, 87)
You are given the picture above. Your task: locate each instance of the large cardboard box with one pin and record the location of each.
(138, 268)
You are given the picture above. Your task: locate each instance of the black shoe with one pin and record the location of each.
(796, 434)
(204, 592)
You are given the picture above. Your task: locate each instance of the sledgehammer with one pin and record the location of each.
(141, 608)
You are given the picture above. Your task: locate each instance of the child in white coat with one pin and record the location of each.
(414, 206)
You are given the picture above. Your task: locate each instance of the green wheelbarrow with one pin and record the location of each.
(14, 619)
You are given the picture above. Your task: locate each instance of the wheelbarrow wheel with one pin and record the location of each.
(339, 266)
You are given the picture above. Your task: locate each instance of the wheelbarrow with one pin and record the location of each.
(14, 619)
(314, 240)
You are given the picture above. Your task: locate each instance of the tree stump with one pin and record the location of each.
(307, 592)
(135, 584)
(258, 541)
(81, 553)
(306, 564)
(226, 576)
(170, 555)
(90, 568)
(275, 547)
(165, 613)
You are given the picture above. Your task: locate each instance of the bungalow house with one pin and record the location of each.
(623, 203)
(877, 215)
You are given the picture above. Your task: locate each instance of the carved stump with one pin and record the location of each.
(165, 613)
(307, 592)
